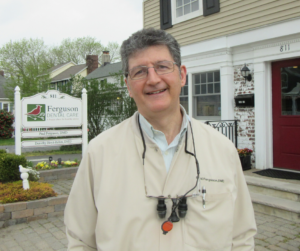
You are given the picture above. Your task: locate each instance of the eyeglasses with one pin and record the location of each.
(161, 68)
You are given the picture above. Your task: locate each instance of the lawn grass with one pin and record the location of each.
(52, 152)
(7, 142)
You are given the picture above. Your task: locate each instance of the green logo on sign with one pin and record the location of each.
(36, 112)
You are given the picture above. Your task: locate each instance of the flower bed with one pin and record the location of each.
(55, 164)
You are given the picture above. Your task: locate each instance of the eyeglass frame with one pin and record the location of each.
(143, 66)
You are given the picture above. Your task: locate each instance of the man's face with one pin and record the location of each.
(155, 94)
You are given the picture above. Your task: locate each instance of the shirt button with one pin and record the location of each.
(166, 152)
(156, 149)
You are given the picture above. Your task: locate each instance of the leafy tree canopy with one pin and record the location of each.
(26, 62)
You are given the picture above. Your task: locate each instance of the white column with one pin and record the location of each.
(84, 121)
(227, 89)
(190, 95)
(263, 116)
(17, 121)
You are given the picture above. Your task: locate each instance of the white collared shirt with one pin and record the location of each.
(159, 137)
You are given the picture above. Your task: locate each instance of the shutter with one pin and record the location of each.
(165, 14)
(0, 105)
(210, 7)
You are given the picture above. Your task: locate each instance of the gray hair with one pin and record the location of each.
(145, 38)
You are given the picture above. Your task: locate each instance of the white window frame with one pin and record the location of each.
(8, 106)
(176, 20)
(205, 118)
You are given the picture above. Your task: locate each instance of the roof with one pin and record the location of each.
(105, 71)
(2, 81)
(73, 70)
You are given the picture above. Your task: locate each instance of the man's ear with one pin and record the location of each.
(128, 87)
(183, 75)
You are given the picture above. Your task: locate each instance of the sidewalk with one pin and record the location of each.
(49, 234)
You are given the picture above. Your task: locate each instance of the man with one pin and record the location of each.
(138, 186)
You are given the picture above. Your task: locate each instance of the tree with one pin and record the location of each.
(108, 103)
(77, 49)
(25, 63)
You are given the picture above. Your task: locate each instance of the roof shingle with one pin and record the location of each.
(73, 70)
(105, 71)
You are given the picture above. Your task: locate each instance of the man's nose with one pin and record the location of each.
(152, 78)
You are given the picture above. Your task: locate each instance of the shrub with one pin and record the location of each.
(9, 167)
(14, 192)
(6, 121)
(2, 151)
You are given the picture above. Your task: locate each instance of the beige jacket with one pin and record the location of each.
(108, 210)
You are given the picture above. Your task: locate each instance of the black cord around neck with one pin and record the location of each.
(144, 153)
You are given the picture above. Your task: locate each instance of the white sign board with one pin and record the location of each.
(51, 142)
(51, 109)
(51, 133)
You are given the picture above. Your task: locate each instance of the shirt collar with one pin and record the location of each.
(149, 130)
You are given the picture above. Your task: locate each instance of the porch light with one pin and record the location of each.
(246, 73)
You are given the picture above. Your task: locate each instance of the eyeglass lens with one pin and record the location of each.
(160, 68)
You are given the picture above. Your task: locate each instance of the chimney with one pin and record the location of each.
(105, 58)
(91, 63)
(2, 73)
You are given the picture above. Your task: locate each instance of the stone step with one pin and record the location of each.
(274, 187)
(283, 208)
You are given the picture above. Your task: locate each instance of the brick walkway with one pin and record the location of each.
(49, 234)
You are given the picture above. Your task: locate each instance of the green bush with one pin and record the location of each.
(2, 151)
(6, 121)
(9, 167)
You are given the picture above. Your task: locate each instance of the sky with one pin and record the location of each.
(55, 20)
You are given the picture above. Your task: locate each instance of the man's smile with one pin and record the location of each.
(156, 92)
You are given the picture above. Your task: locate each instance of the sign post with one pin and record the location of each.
(84, 121)
(17, 121)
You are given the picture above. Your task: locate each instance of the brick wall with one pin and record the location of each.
(22, 212)
(246, 124)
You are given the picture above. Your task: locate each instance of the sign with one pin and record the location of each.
(51, 133)
(51, 109)
(51, 142)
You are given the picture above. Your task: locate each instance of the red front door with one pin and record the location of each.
(286, 113)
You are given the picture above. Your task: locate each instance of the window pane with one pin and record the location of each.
(185, 90)
(197, 89)
(217, 87)
(290, 86)
(210, 77)
(197, 78)
(210, 88)
(184, 102)
(179, 12)
(217, 76)
(178, 3)
(208, 105)
(203, 78)
(5, 107)
(186, 1)
(187, 9)
(195, 6)
(203, 89)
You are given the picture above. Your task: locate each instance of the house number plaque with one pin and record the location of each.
(284, 48)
